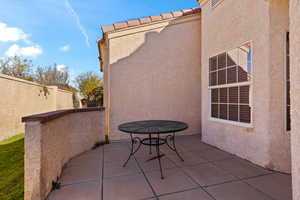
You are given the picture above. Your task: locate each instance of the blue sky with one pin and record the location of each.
(65, 31)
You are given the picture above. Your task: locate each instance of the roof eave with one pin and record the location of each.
(149, 20)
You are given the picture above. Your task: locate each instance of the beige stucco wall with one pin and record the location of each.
(64, 99)
(280, 145)
(295, 94)
(20, 98)
(154, 73)
(106, 82)
(228, 26)
(48, 146)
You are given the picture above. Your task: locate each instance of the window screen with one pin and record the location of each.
(214, 3)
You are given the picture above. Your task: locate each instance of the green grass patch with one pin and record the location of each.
(12, 168)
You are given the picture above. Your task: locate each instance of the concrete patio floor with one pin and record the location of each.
(207, 174)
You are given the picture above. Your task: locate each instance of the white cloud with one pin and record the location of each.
(8, 34)
(77, 19)
(62, 68)
(65, 48)
(30, 51)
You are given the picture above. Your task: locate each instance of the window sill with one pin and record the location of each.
(240, 124)
(230, 85)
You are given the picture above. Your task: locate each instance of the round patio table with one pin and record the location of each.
(163, 131)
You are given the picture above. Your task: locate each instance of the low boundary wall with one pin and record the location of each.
(52, 139)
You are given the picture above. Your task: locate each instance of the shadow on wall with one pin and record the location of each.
(156, 75)
(44, 92)
(145, 41)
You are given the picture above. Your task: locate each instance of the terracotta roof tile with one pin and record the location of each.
(135, 22)
(196, 10)
(187, 12)
(167, 16)
(177, 14)
(145, 20)
(150, 19)
(121, 25)
(156, 18)
(108, 28)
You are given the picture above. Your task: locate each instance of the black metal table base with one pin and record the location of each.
(157, 141)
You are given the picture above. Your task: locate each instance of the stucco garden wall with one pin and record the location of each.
(20, 98)
(154, 73)
(227, 26)
(52, 140)
(295, 94)
(64, 99)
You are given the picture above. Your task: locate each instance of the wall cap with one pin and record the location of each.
(11, 78)
(48, 116)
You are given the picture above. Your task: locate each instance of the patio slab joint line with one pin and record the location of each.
(237, 178)
(259, 190)
(155, 195)
(102, 169)
(199, 186)
(80, 182)
(181, 191)
(204, 188)
(244, 181)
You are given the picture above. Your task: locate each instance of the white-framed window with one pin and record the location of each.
(288, 83)
(230, 78)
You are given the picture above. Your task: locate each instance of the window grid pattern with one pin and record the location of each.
(214, 3)
(231, 102)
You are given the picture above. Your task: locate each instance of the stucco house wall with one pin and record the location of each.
(280, 144)
(153, 72)
(224, 27)
(295, 94)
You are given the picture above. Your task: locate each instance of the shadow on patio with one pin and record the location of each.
(207, 174)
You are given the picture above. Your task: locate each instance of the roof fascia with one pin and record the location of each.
(151, 26)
